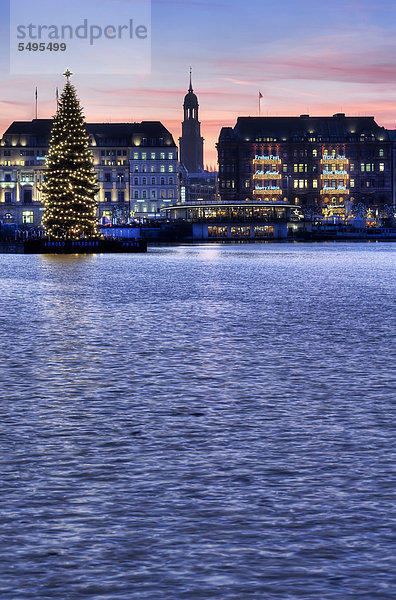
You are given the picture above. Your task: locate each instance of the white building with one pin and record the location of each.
(136, 165)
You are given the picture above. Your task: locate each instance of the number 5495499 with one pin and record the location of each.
(42, 47)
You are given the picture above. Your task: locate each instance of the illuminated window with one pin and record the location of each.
(314, 153)
(153, 208)
(352, 166)
(163, 194)
(295, 168)
(284, 167)
(315, 183)
(381, 152)
(170, 155)
(382, 166)
(153, 156)
(162, 155)
(171, 169)
(136, 155)
(333, 153)
(171, 195)
(352, 183)
(362, 166)
(216, 231)
(247, 183)
(296, 183)
(27, 177)
(27, 217)
(144, 155)
(162, 168)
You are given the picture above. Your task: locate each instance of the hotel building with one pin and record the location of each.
(326, 165)
(136, 163)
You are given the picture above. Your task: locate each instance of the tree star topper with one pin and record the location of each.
(68, 74)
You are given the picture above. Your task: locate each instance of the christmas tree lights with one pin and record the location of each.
(70, 207)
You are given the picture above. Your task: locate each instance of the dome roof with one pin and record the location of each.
(191, 100)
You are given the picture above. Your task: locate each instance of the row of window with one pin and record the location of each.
(163, 195)
(120, 178)
(315, 184)
(104, 153)
(304, 152)
(305, 167)
(153, 181)
(144, 195)
(26, 197)
(25, 152)
(162, 169)
(27, 217)
(154, 155)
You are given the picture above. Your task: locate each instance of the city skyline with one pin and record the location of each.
(319, 61)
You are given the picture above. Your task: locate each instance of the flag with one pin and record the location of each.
(36, 94)
(261, 95)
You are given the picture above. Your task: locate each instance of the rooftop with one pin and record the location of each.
(126, 134)
(304, 127)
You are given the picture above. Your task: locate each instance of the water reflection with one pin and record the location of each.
(199, 422)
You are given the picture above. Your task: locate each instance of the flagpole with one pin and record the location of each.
(36, 104)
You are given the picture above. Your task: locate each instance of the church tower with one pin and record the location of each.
(191, 142)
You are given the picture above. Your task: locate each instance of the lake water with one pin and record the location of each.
(199, 422)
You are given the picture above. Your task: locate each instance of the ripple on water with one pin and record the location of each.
(199, 422)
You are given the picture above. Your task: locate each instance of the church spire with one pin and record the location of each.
(190, 89)
(191, 142)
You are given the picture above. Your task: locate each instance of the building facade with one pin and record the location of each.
(136, 164)
(327, 166)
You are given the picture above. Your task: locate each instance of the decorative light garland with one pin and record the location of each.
(70, 187)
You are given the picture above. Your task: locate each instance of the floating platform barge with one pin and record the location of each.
(43, 246)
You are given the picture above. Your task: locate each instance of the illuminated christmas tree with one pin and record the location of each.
(70, 208)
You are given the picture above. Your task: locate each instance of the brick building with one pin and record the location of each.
(329, 166)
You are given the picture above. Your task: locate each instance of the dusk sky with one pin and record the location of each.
(304, 56)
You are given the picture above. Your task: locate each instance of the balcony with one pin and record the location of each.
(334, 159)
(266, 159)
(335, 174)
(268, 189)
(267, 175)
(341, 190)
